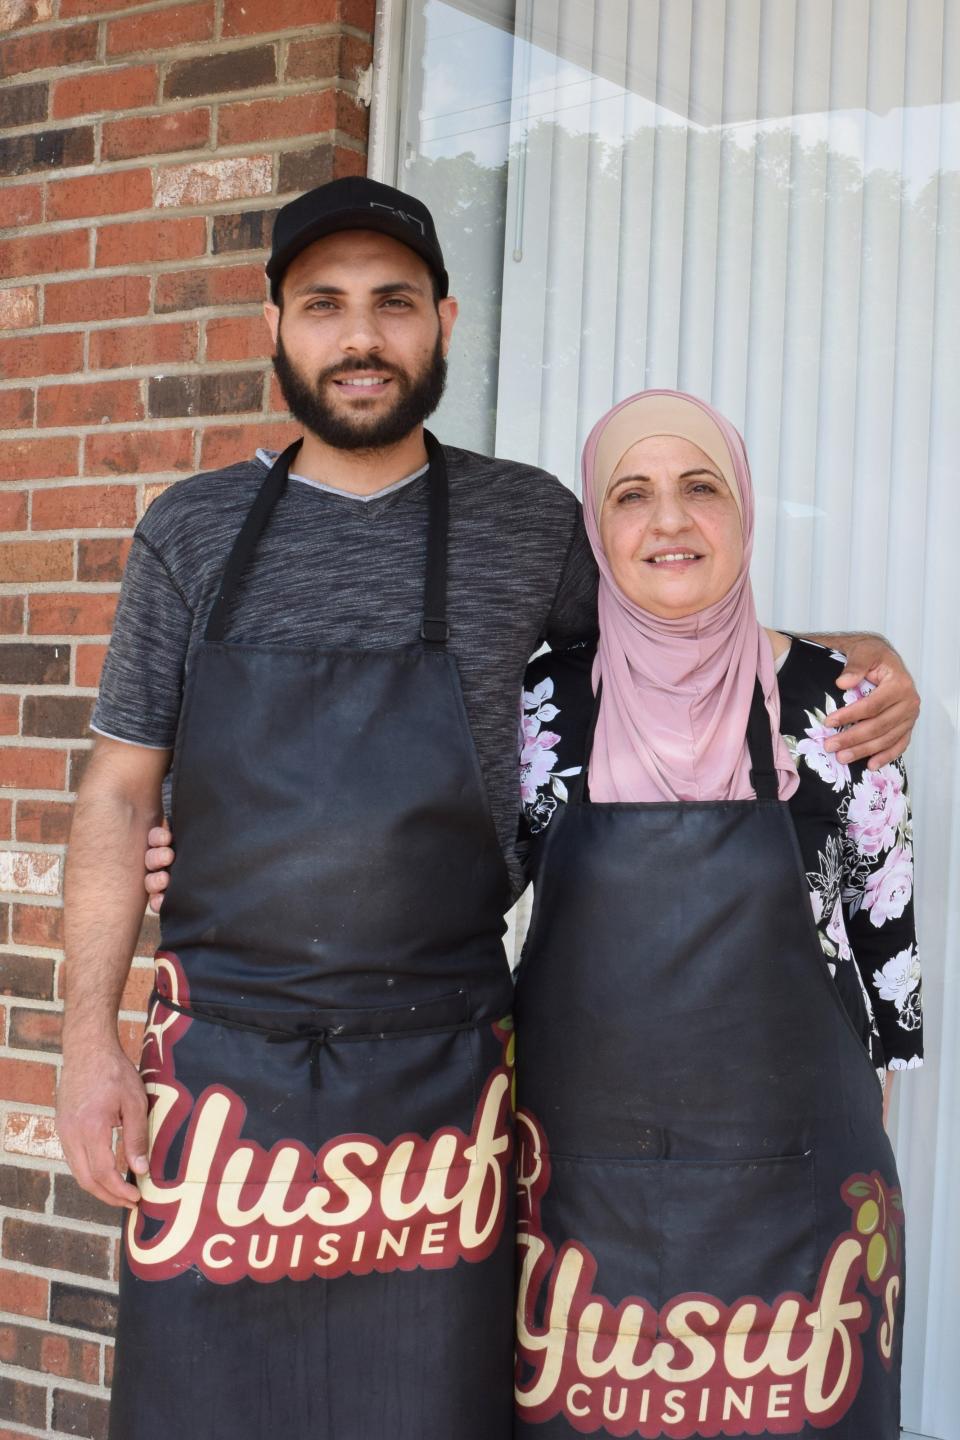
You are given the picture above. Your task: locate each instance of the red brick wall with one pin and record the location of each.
(143, 151)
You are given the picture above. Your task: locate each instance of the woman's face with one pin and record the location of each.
(670, 528)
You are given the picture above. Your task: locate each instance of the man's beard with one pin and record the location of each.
(417, 397)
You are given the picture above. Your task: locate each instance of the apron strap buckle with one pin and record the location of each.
(434, 631)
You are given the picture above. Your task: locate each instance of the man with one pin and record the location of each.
(329, 648)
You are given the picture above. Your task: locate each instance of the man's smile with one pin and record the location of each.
(368, 386)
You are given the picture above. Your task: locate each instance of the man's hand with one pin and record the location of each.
(880, 724)
(158, 860)
(100, 1091)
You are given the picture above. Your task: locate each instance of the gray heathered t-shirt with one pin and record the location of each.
(328, 571)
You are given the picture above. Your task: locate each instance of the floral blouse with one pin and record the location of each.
(853, 825)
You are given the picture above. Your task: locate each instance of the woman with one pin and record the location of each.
(720, 953)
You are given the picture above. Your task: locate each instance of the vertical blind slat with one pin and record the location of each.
(632, 350)
(701, 200)
(914, 343)
(664, 283)
(804, 306)
(566, 252)
(843, 229)
(735, 250)
(605, 237)
(876, 343)
(763, 414)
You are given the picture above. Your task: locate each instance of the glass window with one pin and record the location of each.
(452, 152)
(758, 201)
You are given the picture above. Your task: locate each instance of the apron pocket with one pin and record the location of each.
(661, 1229)
(739, 1228)
(611, 1209)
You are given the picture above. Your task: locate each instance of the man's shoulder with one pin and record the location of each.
(230, 482)
(212, 495)
(495, 477)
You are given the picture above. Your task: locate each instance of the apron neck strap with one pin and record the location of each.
(243, 547)
(433, 628)
(763, 771)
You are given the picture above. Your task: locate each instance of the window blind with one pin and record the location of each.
(759, 201)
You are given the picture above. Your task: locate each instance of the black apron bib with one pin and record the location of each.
(710, 1223)
(324, 1244)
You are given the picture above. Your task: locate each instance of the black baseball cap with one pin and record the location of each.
(354, 203)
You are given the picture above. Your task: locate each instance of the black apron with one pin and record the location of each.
(324, 1245)
(709, 1217)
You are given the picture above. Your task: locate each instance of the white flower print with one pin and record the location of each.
(837, 931)
(540, 813)
(538, 758)
(877, 809)
(825, 900)
(536, 699)
(899, 977)
(812, 751)
(899, 981)
(914, 1063)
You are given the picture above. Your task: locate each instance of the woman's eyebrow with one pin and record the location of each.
(687, 475)
(627, 480)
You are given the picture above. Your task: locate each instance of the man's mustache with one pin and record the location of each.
(348, 367)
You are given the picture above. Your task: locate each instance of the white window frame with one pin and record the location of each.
(383, 146)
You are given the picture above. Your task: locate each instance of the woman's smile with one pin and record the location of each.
(674, 559)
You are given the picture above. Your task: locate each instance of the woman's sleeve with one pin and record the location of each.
(524, 836)
(879, 911)
(547, 742)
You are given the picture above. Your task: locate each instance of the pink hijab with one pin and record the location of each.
(676, 693)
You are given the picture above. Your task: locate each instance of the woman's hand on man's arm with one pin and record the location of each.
(880, 724)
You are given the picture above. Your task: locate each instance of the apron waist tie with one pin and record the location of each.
(316, 1039)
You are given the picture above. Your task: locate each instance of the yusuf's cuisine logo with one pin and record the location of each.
(698, 1367)
(357, 1205)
